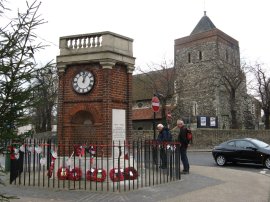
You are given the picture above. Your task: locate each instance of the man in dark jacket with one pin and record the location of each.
(182, 138)
(162, 138)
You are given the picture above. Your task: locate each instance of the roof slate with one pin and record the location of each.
(205, 24)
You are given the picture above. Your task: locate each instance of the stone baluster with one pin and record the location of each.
(75, 44)
(80, 42)
(94, 41)
(98, 41)
(88, 42)
(84, 42)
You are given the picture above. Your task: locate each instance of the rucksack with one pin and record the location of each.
(189, 135)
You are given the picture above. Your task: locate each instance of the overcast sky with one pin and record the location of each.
(155, 24)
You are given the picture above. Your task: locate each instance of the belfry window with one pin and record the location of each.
(200, 55)
(189, 58)
(227, 55)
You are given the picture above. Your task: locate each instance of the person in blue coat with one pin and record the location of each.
(163, 137)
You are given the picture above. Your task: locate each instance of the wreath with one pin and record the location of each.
(75, 174)
(62, 173)
(115, 175)
(130, 173)
(99, 175)
(90, 174)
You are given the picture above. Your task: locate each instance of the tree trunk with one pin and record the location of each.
(49, 117)
(234, 120)
(43, 121)
(163, 112)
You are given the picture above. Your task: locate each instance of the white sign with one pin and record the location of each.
(119, 125)
(213, 121)
(203, 121)
(118, 128)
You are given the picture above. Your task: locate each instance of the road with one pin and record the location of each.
(206, 159)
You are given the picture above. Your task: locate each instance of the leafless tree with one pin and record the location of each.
(158, 80)
(45, 97)
(233, 79)
(261, 87)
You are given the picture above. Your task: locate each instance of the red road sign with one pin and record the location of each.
(155, 104)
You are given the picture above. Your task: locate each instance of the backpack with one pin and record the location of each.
(189, 136)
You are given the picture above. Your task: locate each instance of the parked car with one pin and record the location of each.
(246, 150)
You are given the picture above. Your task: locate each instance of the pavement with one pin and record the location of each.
(204, 184)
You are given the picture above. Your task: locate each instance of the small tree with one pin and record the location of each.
(261, 87)
(45, 97)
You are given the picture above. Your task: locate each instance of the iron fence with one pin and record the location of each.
(118, 166)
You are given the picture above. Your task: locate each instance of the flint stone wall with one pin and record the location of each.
(207, 139)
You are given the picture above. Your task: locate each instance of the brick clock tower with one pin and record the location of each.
(95, 87)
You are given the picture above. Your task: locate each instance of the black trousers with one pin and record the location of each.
(184, 158)
(163, 157)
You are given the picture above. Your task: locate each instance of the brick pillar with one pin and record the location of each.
(129, 99)
(107, 98)
(60, 120)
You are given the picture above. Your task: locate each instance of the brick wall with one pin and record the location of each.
(112, 90)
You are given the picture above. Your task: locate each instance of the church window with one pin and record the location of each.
(194, 108)
(140, 104)
(189, 58)
(227, 55)
(200, 55)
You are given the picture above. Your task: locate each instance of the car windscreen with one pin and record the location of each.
(260, 143)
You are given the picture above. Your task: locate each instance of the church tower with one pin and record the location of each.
(200, 59)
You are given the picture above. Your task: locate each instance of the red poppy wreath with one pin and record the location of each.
(75, 174)
(130, 173)
(62, 173)
(116, 174)
(99, 175)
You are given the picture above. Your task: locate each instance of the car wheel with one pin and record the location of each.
(221, 160)
(267, 162)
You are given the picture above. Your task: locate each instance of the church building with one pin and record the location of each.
(210, 86)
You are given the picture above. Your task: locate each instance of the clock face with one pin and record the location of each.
(83, 82)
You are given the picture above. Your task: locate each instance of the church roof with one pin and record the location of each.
(205, 24)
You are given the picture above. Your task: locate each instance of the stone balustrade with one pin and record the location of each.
(95, 47)
(84, 41)
(93, 42)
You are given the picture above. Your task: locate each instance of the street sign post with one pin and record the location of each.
(155, 104)
(155, 108)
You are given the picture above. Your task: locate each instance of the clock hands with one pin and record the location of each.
(83, 77)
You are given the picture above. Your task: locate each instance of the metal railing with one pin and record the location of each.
(99, 166)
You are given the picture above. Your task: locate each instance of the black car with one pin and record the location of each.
(245, 150)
